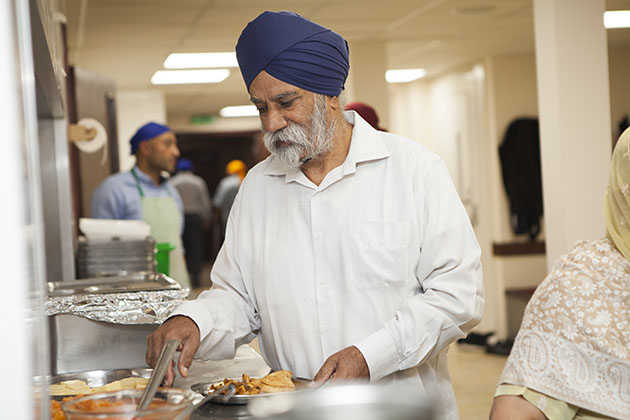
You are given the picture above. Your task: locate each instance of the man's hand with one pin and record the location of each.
(345, 365)
(182, 329)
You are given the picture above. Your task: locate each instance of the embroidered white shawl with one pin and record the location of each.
(574, 342)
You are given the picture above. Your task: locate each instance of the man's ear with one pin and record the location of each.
(333, 102)
(144, 149)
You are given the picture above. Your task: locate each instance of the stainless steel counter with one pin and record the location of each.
(103, 323)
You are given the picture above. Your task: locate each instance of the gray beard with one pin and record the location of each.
(296, 145)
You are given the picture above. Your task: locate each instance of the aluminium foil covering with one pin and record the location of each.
(112, 305)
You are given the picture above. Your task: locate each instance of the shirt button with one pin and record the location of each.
(325, 330)
(322, 281)
(319, 235)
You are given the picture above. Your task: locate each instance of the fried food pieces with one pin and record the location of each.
(279, 381)
(56, 413)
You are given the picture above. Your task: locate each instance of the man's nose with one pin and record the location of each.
(275, 121)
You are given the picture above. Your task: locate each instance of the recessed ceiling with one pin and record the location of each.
(128, 40)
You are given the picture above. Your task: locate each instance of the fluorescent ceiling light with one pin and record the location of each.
(200, 60)
(175, 77)
(617, 19)
(239, 111)
(404, 75)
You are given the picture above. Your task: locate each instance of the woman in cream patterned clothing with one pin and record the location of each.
(571, 357)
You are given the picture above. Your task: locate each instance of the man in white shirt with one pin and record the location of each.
(348, 252)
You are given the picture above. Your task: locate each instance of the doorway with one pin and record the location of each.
(210, 153)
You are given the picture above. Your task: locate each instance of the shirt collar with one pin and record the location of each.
(146, 179)
(365, 145)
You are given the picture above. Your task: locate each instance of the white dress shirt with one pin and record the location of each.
(381, 255)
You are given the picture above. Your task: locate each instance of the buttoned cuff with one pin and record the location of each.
(198, 313)
(379, 351)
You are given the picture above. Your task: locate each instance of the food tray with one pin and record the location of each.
(95, 378)
(204, 389)
(134, 282)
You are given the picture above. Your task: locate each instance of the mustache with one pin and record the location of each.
(291, 144)
(292, 134)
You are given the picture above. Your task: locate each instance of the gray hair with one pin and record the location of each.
(341, 97)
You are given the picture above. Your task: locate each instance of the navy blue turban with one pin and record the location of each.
(184, 164)
(295, 50)
(146, 132)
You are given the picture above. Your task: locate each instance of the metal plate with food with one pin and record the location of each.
(93, 381)
(247, 388)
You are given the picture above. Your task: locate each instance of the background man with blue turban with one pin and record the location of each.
(348, 252)
(144, 194)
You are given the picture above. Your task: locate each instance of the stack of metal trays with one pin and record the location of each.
(135, 282)
(115, 257)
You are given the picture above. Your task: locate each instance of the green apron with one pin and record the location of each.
(162, 215)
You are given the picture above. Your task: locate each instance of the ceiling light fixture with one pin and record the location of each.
(239, 111)
(200, 60)
(177, 77)
(404, 75)
(617, 19)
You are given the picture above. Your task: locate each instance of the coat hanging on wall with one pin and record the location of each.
(520, 161)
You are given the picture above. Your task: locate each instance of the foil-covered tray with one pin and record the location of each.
(137, 298)
(134, 282)
(206, 388)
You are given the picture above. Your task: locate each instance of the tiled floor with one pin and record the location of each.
(474, 374)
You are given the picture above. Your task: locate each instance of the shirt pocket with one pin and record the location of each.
(380, 251)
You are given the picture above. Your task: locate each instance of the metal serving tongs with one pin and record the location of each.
(163, 363)
(226, 391)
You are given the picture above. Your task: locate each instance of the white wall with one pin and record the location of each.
(410, 110)
(366, 80)
(574, 104)
(618, 65)
(134, 109)
(449, 116)
(512, 94)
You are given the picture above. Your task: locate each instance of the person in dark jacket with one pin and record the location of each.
(520, 161)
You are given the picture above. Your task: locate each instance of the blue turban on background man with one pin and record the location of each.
(295, 50)
(146, 132)
(184, 164)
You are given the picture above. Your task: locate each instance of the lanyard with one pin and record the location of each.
(135, 176)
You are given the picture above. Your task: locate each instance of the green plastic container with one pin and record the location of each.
(162, 256)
